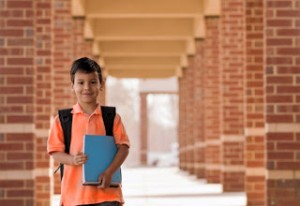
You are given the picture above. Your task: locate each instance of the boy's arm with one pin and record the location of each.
(105, 178)
(68, 159)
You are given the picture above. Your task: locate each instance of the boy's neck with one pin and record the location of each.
(88, 108)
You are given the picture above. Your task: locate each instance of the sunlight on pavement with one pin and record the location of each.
(171, 187)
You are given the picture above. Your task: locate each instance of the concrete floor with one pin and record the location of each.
(171, 187)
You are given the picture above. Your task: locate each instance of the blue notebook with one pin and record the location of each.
(100, 151)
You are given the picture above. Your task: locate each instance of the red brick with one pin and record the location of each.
(10, 33)
(19, 23)
(20, 61)
(279, 23)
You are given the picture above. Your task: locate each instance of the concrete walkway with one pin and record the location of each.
(171, 187)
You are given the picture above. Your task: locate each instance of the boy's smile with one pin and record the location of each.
(86, 87)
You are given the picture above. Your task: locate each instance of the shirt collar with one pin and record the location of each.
(77, 109)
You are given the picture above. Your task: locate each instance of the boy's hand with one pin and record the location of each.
(105, 179)
(79, 159)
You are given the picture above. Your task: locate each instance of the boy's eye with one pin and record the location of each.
(93, 82)
(80, 83)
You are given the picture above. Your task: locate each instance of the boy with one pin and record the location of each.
(86, 82)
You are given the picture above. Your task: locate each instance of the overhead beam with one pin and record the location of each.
(199, 27)
(167, 28)
(121, 73)
(88, 29)
(140, 61)
(145, 8)
(78, 8)
(142, 67)
(142, 47)
(212, 7)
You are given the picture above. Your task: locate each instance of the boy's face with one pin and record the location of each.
(86, 87)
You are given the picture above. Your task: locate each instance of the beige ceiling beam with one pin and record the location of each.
(96, 49)
(140, 61)
(101, 62)
(143, 67)
(178, 72)
(88, 29)
(127, 28)
(78, 8)
(144, 8)
(142, 47)
(212, 7)
(191, 46)
(199, 26)
(122, 73)
(183, 61)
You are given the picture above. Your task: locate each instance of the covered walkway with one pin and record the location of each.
(236, 64)
(168, 186)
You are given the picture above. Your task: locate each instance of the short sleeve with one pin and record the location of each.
(56, 139)
(119, 132)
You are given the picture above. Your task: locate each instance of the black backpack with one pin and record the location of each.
(65, 117)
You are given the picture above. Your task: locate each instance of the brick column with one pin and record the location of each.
(232, 95)
(82, 46)
(17, 101)
(181, 121)
(282, 31)
(143, 128)
(198, 111)
(255, 149)
(212, 101)
(63, 56)
(189, 116)
(42, 109)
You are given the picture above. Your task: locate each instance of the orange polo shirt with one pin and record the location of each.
(72, 190)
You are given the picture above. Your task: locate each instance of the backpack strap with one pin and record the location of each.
(65, 117)
(108, 116)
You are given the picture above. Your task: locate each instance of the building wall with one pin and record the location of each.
(35, 57)
(282, 89)
(250, 101)
(255, 143)
(238, 108)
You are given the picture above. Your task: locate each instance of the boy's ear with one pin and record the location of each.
(102, 85)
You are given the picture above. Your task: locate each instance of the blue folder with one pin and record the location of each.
(100, 151)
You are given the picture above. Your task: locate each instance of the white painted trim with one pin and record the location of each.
(232, 138)
(233, 168)
(255, 131)
(212, 166)
(216, 142)
(17, 128)
(42, 133)
(24, 174)
(283, 127)
(256, 171)
(283, 174)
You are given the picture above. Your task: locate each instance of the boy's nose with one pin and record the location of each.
(86, 86)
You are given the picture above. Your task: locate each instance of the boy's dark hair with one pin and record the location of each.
(85, 65)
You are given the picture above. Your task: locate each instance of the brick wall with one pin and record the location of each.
(182, 125)
(42, 84)
(198, 127)
(282, 101)
(143, 128)
(255, 184)
(232, 94)
(189, 109)
(17, 119)
(212, 100)
(63, 54)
